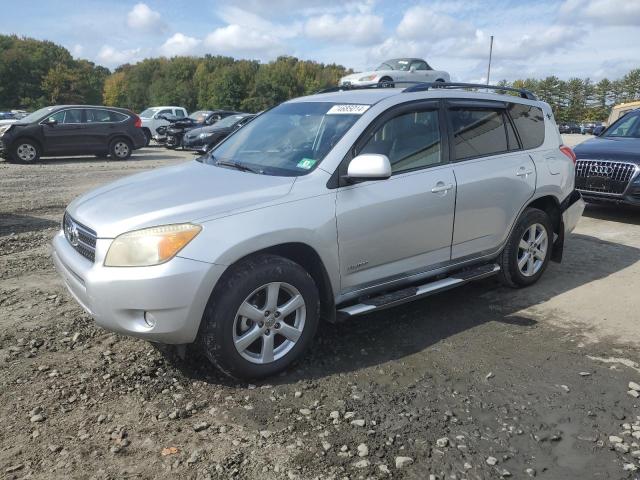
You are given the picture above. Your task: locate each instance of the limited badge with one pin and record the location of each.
(306, 163)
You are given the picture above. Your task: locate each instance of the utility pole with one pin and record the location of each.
(490, 54)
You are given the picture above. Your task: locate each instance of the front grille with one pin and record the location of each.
(81, 238)
(603, 176)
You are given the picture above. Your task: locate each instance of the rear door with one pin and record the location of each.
(65, 137)
(390, 228)
(100, 126)
(495, 178)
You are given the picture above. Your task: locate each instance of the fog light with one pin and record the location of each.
(149, 319)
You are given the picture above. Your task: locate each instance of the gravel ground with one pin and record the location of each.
(479, 382)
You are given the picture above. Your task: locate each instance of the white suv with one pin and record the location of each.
(323, 207)
(152, 119)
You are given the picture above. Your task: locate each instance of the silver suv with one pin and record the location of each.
(324, 207)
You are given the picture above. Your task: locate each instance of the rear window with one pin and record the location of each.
(478, 132)
(529, 122)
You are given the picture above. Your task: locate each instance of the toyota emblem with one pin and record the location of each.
(71, 232)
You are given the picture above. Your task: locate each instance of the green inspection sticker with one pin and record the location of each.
(306, 163)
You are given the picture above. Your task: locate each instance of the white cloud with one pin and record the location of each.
(141, 17)
(357, 29)
(237, 40)
(256, 23)
(422, 23)
(77, 50)
(179, 44)
(602, 12)
(112, 57)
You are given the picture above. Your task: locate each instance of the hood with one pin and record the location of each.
(354, 77)
(207, 129)
(609, 148)
(176, 194)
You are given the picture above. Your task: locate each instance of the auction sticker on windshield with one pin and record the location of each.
(306, 163)
(348, 109)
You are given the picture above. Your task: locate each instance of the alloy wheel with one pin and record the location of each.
(26, 152)
(532, 250)
(121, 149)
(269, 322)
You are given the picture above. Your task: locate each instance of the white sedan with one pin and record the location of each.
(396, 70)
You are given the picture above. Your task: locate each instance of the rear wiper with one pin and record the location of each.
(237, 166)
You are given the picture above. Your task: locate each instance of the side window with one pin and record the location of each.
(58, 116)
(117, 116)
(166, 111)
(419, 65)
(627, 126)
(95, 115)
(180, 113)
(529, 121)
(410, 140)
(477, 132)
(73, 116)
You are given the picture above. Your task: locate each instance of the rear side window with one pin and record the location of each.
(478, 132)
(529, 121)
(117, 116)
(180, 113)
(410, 140)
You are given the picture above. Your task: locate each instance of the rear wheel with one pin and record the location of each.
(120, 149)
(147, 136)
(26, 151)
(528, 250)
(261, 318)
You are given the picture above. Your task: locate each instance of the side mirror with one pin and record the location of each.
(369, 166)
(598, 130)
(51, 121)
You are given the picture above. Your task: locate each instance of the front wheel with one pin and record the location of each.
(260, 318)
(528, 250)
(386, 82)
(26, 151)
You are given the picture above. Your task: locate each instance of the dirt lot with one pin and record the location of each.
(479, 382)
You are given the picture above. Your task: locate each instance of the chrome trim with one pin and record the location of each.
(81, 238)
(584, 166)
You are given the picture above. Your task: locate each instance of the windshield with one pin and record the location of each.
(399, 64)
(37, 115)
(148, 113)
(627, 126)
(288, 140)
(200, 116)
(229, 121)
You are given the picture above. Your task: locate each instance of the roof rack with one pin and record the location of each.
(424, 86)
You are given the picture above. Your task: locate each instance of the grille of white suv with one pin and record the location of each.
(603, 176)
(81, 238)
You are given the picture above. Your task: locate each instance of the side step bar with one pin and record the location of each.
(405, 295)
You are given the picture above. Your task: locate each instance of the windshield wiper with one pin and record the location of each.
(237, 166)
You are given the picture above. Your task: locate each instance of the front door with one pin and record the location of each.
(495, 178)
(65, 136)
(391, 228)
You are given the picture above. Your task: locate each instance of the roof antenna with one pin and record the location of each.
(490, 54)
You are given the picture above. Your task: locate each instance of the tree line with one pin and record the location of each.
(35, 73)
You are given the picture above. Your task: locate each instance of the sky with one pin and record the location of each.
(566, 38)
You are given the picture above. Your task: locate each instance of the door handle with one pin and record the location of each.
(523, 172)
(441, 187)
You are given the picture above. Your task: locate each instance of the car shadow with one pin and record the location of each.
(617, 213)
(11, 223)
(399, 332)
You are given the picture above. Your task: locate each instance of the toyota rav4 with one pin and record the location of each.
(324, 207)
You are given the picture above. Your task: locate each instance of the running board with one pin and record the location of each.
(410, 294)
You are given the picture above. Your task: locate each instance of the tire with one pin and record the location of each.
(25, 151)
(386, 82)
(249, 283)
(514, 275)
(147, 136)
(120, 149)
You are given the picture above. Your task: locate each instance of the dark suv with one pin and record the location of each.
(72, 130)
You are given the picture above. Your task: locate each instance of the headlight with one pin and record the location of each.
(4, 129)
(150, 246)
(367, 78)
(205, 135)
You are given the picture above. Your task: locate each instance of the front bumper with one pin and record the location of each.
(173, 295)
(196, 144)
(630, 197)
